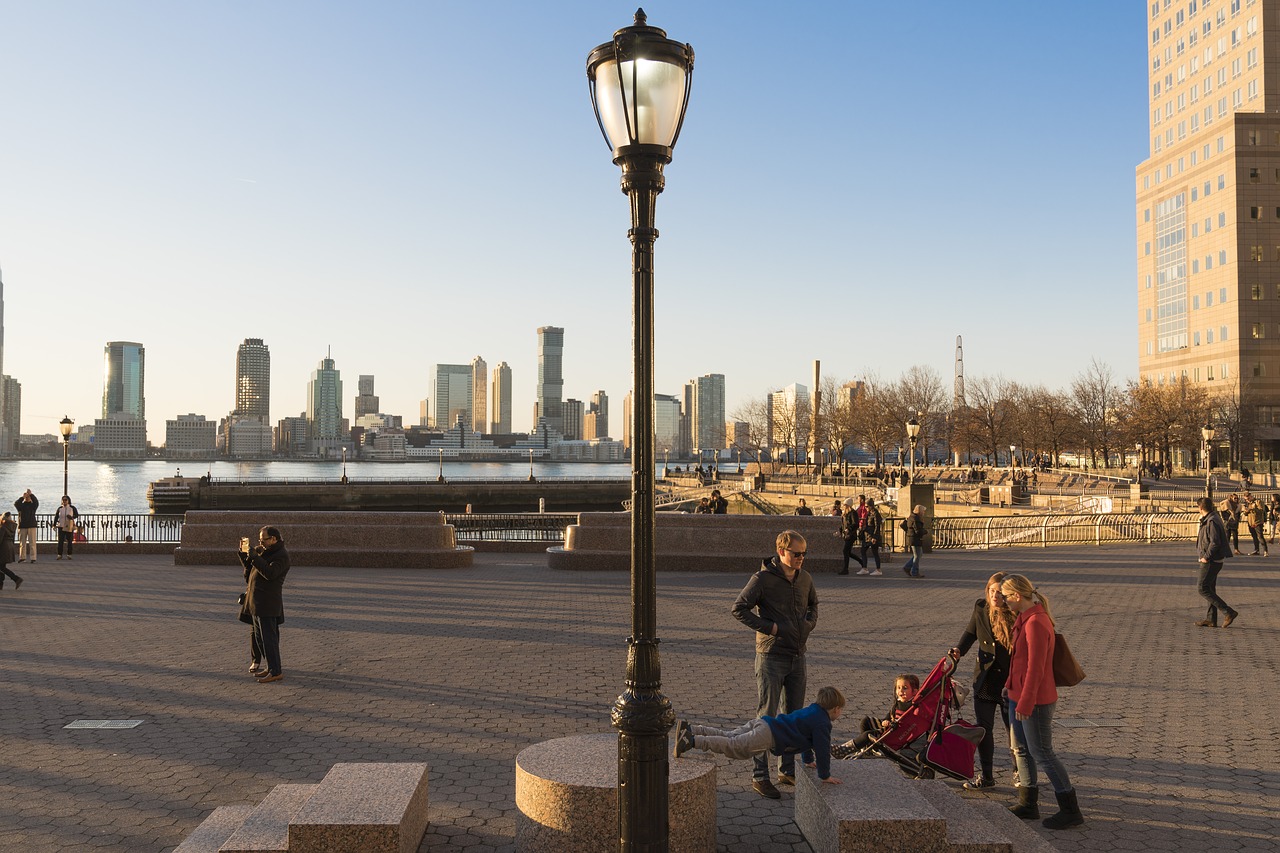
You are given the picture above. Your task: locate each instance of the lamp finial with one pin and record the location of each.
(641, 18)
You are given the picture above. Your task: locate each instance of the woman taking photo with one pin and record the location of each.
(1032, 698)
(991, 627)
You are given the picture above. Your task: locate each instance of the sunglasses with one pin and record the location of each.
(799, 555)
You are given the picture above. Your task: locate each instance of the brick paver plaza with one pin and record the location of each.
(464, 668)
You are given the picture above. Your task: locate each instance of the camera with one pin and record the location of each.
(244, 544)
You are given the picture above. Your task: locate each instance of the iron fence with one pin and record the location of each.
(511, 527)
(982, 532)
(115, 527)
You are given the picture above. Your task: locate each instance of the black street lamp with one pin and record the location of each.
(1206, 432)
(913, 436)
(440, 456)
(639, 86)
(65, 426)
(531, 477)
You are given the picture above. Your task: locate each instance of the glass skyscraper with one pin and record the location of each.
(124, 373)
(253, 380)
(324, 402)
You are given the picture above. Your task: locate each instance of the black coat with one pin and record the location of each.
(770, 599)
(27, 512)
(992, 667)
(264, 571)
(7, 531)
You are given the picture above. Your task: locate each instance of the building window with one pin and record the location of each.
(1254, 177)
(1256, 292)
(1255, 253)
(1255, 213)
(1209, 370)
(1259, 331)
(1222, 298)
(1208, 301)
(1148, 315)
(1222, 333)
(1225, 374)
(1197, 374)
(1146, 214)
(1148, 247)
(1222, 223)
(1208, 225)
(1195, 302)
(1195, 268)
(1259, 369)
(1195, 339)
(1207, 189)
(1222, 259)
(1195, 229)
(1208, 265)
(1208, 336)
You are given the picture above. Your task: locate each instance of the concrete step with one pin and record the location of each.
(1022, 834)
(364, 808)
(875, 810)
(267, 827)
(221, 823)
(968, 829)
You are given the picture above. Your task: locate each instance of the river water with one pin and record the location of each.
(121, 487)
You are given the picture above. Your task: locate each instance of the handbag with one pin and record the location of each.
(1067, 671)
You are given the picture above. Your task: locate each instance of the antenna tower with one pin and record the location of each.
(958, 401)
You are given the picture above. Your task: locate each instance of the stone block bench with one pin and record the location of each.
(399, 540)
(698, 543)
(356, 808)
(567, 798)
(878, 810)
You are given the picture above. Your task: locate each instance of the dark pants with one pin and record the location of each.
(849, 555)
(985, 711)
(68, 538)
(267, 629)
(1208, 589)
(874, 548)
(1233, 535)
(780, 681)
(4, 570)
(1259, 538)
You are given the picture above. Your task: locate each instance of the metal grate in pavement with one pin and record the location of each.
(103, 724)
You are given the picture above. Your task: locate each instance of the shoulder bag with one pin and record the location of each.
(1067, 671)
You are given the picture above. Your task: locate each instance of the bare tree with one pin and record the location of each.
(875, 419)
(755, 414)
(990, 406)
(1097, 398)
(922, 394)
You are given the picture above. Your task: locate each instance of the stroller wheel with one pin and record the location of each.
(926, 773)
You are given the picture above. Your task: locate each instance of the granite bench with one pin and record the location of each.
(341, 539)
(878, 810)
(697, 543)
(567, 798)
(356, 808)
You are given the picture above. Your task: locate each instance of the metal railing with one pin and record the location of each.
(511, 527)
(113, 527)
(979, 532)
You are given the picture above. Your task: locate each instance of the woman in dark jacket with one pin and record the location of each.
(8, 527)
(991, 627)
(264, 570)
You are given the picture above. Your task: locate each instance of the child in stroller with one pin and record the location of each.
(905, 688)
(921, 737)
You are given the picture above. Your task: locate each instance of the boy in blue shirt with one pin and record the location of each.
(800, 731)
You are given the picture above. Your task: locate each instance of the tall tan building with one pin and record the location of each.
(1208, 212)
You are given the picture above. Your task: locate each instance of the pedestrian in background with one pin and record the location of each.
(1211, 543)
(26, 507)
(265, 568)
(65, 520)
(7, 528)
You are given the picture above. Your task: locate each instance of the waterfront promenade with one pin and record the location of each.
(1171, 741)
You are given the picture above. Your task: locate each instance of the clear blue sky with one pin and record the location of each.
(421, 182)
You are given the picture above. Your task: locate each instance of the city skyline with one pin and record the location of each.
(192, 176)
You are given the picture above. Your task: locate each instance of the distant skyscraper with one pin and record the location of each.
(597, 417)
(453, 395)
(789, 418)
(479, 395)
(550, 375)
(501, 399)
(666, 423)
(11, 406)
(253, 380)
(571, 417)
(424, 412)
(324, 402)
(125, 376)
(367, 402)
(707, 418)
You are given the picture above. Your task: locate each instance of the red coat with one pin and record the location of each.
(1031, 667)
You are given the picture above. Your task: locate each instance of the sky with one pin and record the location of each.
(410, 183)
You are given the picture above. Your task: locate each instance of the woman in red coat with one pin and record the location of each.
(1032, 697)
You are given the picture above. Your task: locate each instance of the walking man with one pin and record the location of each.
(1214, 548)
(915, 529)
(781, 605)
(26, 507)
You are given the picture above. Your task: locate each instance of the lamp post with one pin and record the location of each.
(531, 477)
(344, 465)
(1206, 433)
(738, 452)
(64, 426)
(665, 454)
(913, 435)
(639, 84)
(1013, 448)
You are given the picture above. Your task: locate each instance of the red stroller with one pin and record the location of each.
(923, 738)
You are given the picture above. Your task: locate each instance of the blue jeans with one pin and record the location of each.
(267, 631)
(780, 681)
(1032, 744)
(913, 565)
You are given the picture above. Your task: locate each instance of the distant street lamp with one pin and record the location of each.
(344, 465)
(738, 451)
(64, 426)
(1013, 448)
(531, 478)
(1206, 432)
(665, 454)
(913, 436)
(440, 456)
(639, 85)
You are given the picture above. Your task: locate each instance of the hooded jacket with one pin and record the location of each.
(769, 600)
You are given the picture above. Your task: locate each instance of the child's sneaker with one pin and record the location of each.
(684, 739)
